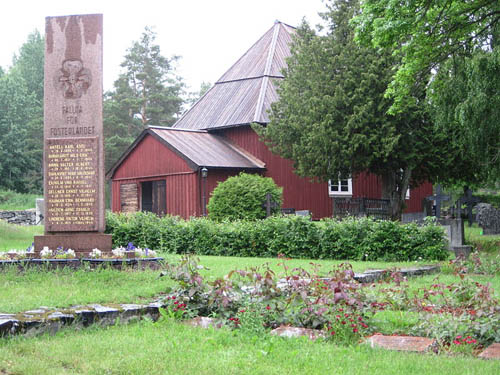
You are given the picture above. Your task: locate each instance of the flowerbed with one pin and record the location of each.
(258, 300)
(129, 257)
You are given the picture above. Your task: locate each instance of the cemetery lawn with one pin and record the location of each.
(17, 237)
(64, 288)
(169, 347)
(12, 201)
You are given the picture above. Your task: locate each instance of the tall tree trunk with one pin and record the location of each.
(394, 187)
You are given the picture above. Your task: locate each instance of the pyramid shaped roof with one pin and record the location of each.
(245, 92)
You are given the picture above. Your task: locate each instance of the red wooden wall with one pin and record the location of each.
(151, 160)
(302, 194)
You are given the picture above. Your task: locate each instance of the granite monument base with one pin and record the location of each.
(82, 243)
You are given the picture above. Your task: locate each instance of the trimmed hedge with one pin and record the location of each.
(293, 236)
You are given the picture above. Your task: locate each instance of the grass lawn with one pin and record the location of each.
(168, 347)
(17, 237)
(63, 288)
(11, 201)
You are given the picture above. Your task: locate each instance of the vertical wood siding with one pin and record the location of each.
(299, 193)
(150, 158)
(302, 194)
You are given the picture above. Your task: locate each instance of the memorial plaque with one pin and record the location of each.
(73, 135)
(72, 184)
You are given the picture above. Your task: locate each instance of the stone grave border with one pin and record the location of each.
(92, 263)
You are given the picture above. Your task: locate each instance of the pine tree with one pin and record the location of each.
(148, 92)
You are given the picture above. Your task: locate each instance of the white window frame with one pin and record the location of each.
(339, 193)
(407, 196)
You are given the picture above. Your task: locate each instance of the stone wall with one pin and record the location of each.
(26, 217)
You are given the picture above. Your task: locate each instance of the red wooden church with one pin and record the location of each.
(174, 170)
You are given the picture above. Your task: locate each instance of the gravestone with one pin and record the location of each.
(488, 218)
(438, 198)
(73, 135)
(470, 201)
(269, 204)
(454, 229)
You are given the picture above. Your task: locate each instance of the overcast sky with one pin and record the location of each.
(209, 35)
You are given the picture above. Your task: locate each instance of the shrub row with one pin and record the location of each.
(292, 236)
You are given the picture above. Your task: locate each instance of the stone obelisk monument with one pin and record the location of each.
(73, 135)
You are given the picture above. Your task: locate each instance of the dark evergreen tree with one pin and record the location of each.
(148, 92)
(332, 120)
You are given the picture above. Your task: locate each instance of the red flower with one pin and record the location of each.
(268, 307)
(354, 330)
(343, 322)
(332, 333)
(242, 311)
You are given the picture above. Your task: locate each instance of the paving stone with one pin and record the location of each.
(203, 322)
(287, 331)
(491, 352)
(403, 343)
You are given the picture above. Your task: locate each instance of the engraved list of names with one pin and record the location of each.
(71, 184)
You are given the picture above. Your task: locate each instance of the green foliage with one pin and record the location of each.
(11, 200)
(493, 199)
(148, 92)
(242, 197)
(331, 118)
(425, 33)
(465, 104)
(459, 39)
(21, 118)
(294, 236)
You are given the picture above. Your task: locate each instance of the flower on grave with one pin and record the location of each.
(46, 252)
(118, 252)
(70, 253)
(130, 246)
(95, 253)
(31, 249)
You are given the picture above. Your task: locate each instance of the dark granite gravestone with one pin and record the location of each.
(470, 201)
(73, 135)
(269, 204)
(438, 198)
(488, 218)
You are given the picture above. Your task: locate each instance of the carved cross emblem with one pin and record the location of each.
(73, 79)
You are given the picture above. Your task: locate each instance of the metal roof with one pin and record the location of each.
(198, 148)
(245, 92)
(207, 150)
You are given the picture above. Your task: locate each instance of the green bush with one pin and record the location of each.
(292, 236)
(242, 197)
(493, 199)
